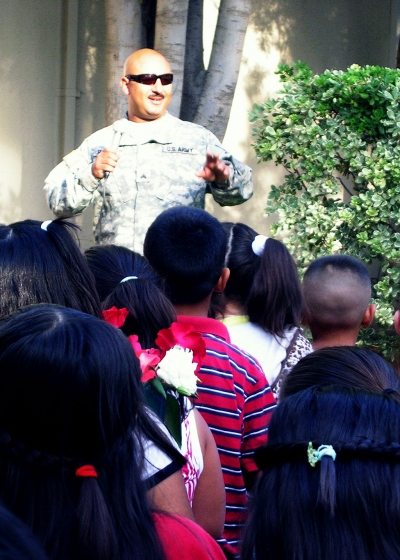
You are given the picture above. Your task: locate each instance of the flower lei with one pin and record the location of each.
(169, 370)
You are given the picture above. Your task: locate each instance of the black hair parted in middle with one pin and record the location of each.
(142, 295)
(345, 366)
(44, 265)
(186, 246)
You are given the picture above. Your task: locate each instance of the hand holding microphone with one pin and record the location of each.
(106, 160)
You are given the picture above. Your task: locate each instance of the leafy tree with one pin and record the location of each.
(337, 136)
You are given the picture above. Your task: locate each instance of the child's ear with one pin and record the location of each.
(396, 321)
(223, 279)
(368, 315)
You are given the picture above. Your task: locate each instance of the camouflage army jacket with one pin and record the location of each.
(156, 170)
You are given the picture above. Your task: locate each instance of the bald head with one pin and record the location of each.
(144, 61)
(337, 292)
(146, 102)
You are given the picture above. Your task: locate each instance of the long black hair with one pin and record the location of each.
(142, 295)
(346, 366)
(42, 263)
(342, 508)
(266, 285)
(69, 397)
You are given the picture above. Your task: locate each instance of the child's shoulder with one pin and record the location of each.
(240, 362)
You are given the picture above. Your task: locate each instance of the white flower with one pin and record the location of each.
(177, 369)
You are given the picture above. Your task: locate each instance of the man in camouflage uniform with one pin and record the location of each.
(143, 164)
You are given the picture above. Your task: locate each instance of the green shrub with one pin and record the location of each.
(337, 136)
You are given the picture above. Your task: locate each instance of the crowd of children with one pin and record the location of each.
(158, 436)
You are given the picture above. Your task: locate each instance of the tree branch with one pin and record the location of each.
(216, 100)
(123, 36)
(194, 73)
(170, 40)
(344, 186)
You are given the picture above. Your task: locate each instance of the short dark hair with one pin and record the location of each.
(344, 263)
(337, 291)
(149, 309)
(186, 246)
(70, 395)
(334, 502)
(44, 266)
(266, 285)
(347, 366)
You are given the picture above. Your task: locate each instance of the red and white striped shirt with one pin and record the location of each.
(236, 402)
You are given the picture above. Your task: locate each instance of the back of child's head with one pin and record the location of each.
(60, 364)
(70, 397)
(263, 279)
(345, 366)
(125, 279)
(337, 292)
(328, 470)
(186, 246)
(40, 262)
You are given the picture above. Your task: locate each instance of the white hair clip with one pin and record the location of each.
(127, 278)
(259, 244)
(315, 455)
(45, 225)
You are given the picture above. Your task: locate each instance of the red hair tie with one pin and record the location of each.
(86, 471)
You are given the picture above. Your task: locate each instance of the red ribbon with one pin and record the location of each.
(86, 471)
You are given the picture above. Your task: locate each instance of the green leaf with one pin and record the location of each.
(184, 391)
(173, 418)
(158, 386)
(338, 134)
(270, 130)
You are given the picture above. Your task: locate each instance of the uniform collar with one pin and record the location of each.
(160, 131)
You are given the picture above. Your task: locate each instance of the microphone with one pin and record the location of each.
(114, 147)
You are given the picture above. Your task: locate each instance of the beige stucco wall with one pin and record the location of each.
(325, 34)
(29, 104)
(331, 33)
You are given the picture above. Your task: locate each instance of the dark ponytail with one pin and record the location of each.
(267, 286)
(70, 396)
(96, 533)
(333, 502)
(275, 299)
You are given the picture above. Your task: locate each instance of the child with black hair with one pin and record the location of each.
(345, 366)
(337, 293)
(262, 303)
(329, 487)
(40, 262)
(125, 280)
(186, 246)
(73, 438)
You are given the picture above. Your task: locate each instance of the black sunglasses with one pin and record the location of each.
(150, 79)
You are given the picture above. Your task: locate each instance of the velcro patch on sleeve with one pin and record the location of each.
(72, 158)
